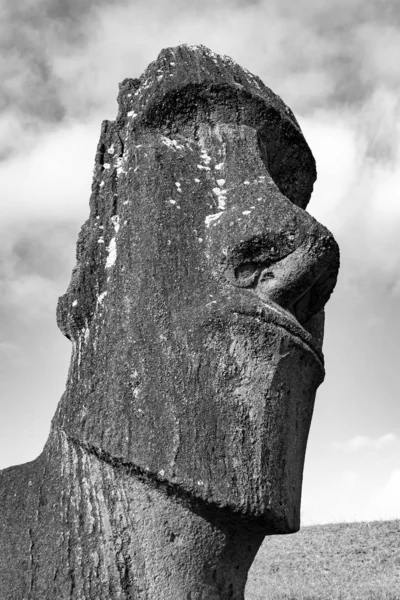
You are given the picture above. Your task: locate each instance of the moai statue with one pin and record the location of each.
(195, 314)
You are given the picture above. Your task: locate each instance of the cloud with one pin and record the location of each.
(365, 443)
(45, 194)
(52, 180)
(357, 154)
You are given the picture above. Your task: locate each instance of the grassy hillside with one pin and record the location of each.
(350, 561)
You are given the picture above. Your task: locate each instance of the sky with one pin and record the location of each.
(336, 65)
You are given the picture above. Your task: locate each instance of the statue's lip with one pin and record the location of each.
(243, 302)
(273, 313)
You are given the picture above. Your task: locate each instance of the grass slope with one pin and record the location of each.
(349, 561)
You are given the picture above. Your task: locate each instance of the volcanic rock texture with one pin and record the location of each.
(195, 313)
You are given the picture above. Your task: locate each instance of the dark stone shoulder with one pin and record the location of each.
(18, 505)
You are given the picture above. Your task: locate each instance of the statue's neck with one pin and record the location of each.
(125, 538)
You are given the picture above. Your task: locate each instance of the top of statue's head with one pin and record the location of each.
(189, 83)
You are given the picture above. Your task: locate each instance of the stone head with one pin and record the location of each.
(196, 306)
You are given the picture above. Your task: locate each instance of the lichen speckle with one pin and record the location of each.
(211, 218)
(172, 143)
(116, 222)
(112, 253)
(101, 297)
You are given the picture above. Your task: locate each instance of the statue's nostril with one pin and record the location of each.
(245, 274)
(265, 275)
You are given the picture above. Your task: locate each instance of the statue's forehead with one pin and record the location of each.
(188, 86)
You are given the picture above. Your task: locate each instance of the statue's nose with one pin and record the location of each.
(298, 275)
(302, 281)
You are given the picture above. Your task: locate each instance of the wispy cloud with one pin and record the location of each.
(364, 443)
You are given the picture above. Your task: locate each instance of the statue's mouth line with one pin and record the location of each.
(285, 319)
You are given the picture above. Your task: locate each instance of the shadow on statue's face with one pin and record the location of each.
(201, 355)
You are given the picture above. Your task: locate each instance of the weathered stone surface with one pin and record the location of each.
(195, 313)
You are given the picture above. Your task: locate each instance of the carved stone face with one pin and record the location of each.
(196, 306)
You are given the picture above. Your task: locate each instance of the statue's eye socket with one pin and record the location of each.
(246, 273)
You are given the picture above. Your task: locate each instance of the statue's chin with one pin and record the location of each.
(250, 414)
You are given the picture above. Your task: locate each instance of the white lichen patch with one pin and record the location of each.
(116, 222)
(75, 303)
(132, 114)
(101, 297)
(102, 184)
(203, 168)
(221, 195)
(200, 482)
(126, 202)
(112, 254)
(221, 182)
(211, 218)
(172, 64)
(197, 180)
(206, 158)
(219, 166)
(246, 212)
(119, 164)
(172, 143)
(86, 333)
(246, 182)
(199, 240)
(172, 201)
(100, 240)
(178, 187)
(221, 202)
(111, 149)
(106, 165)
